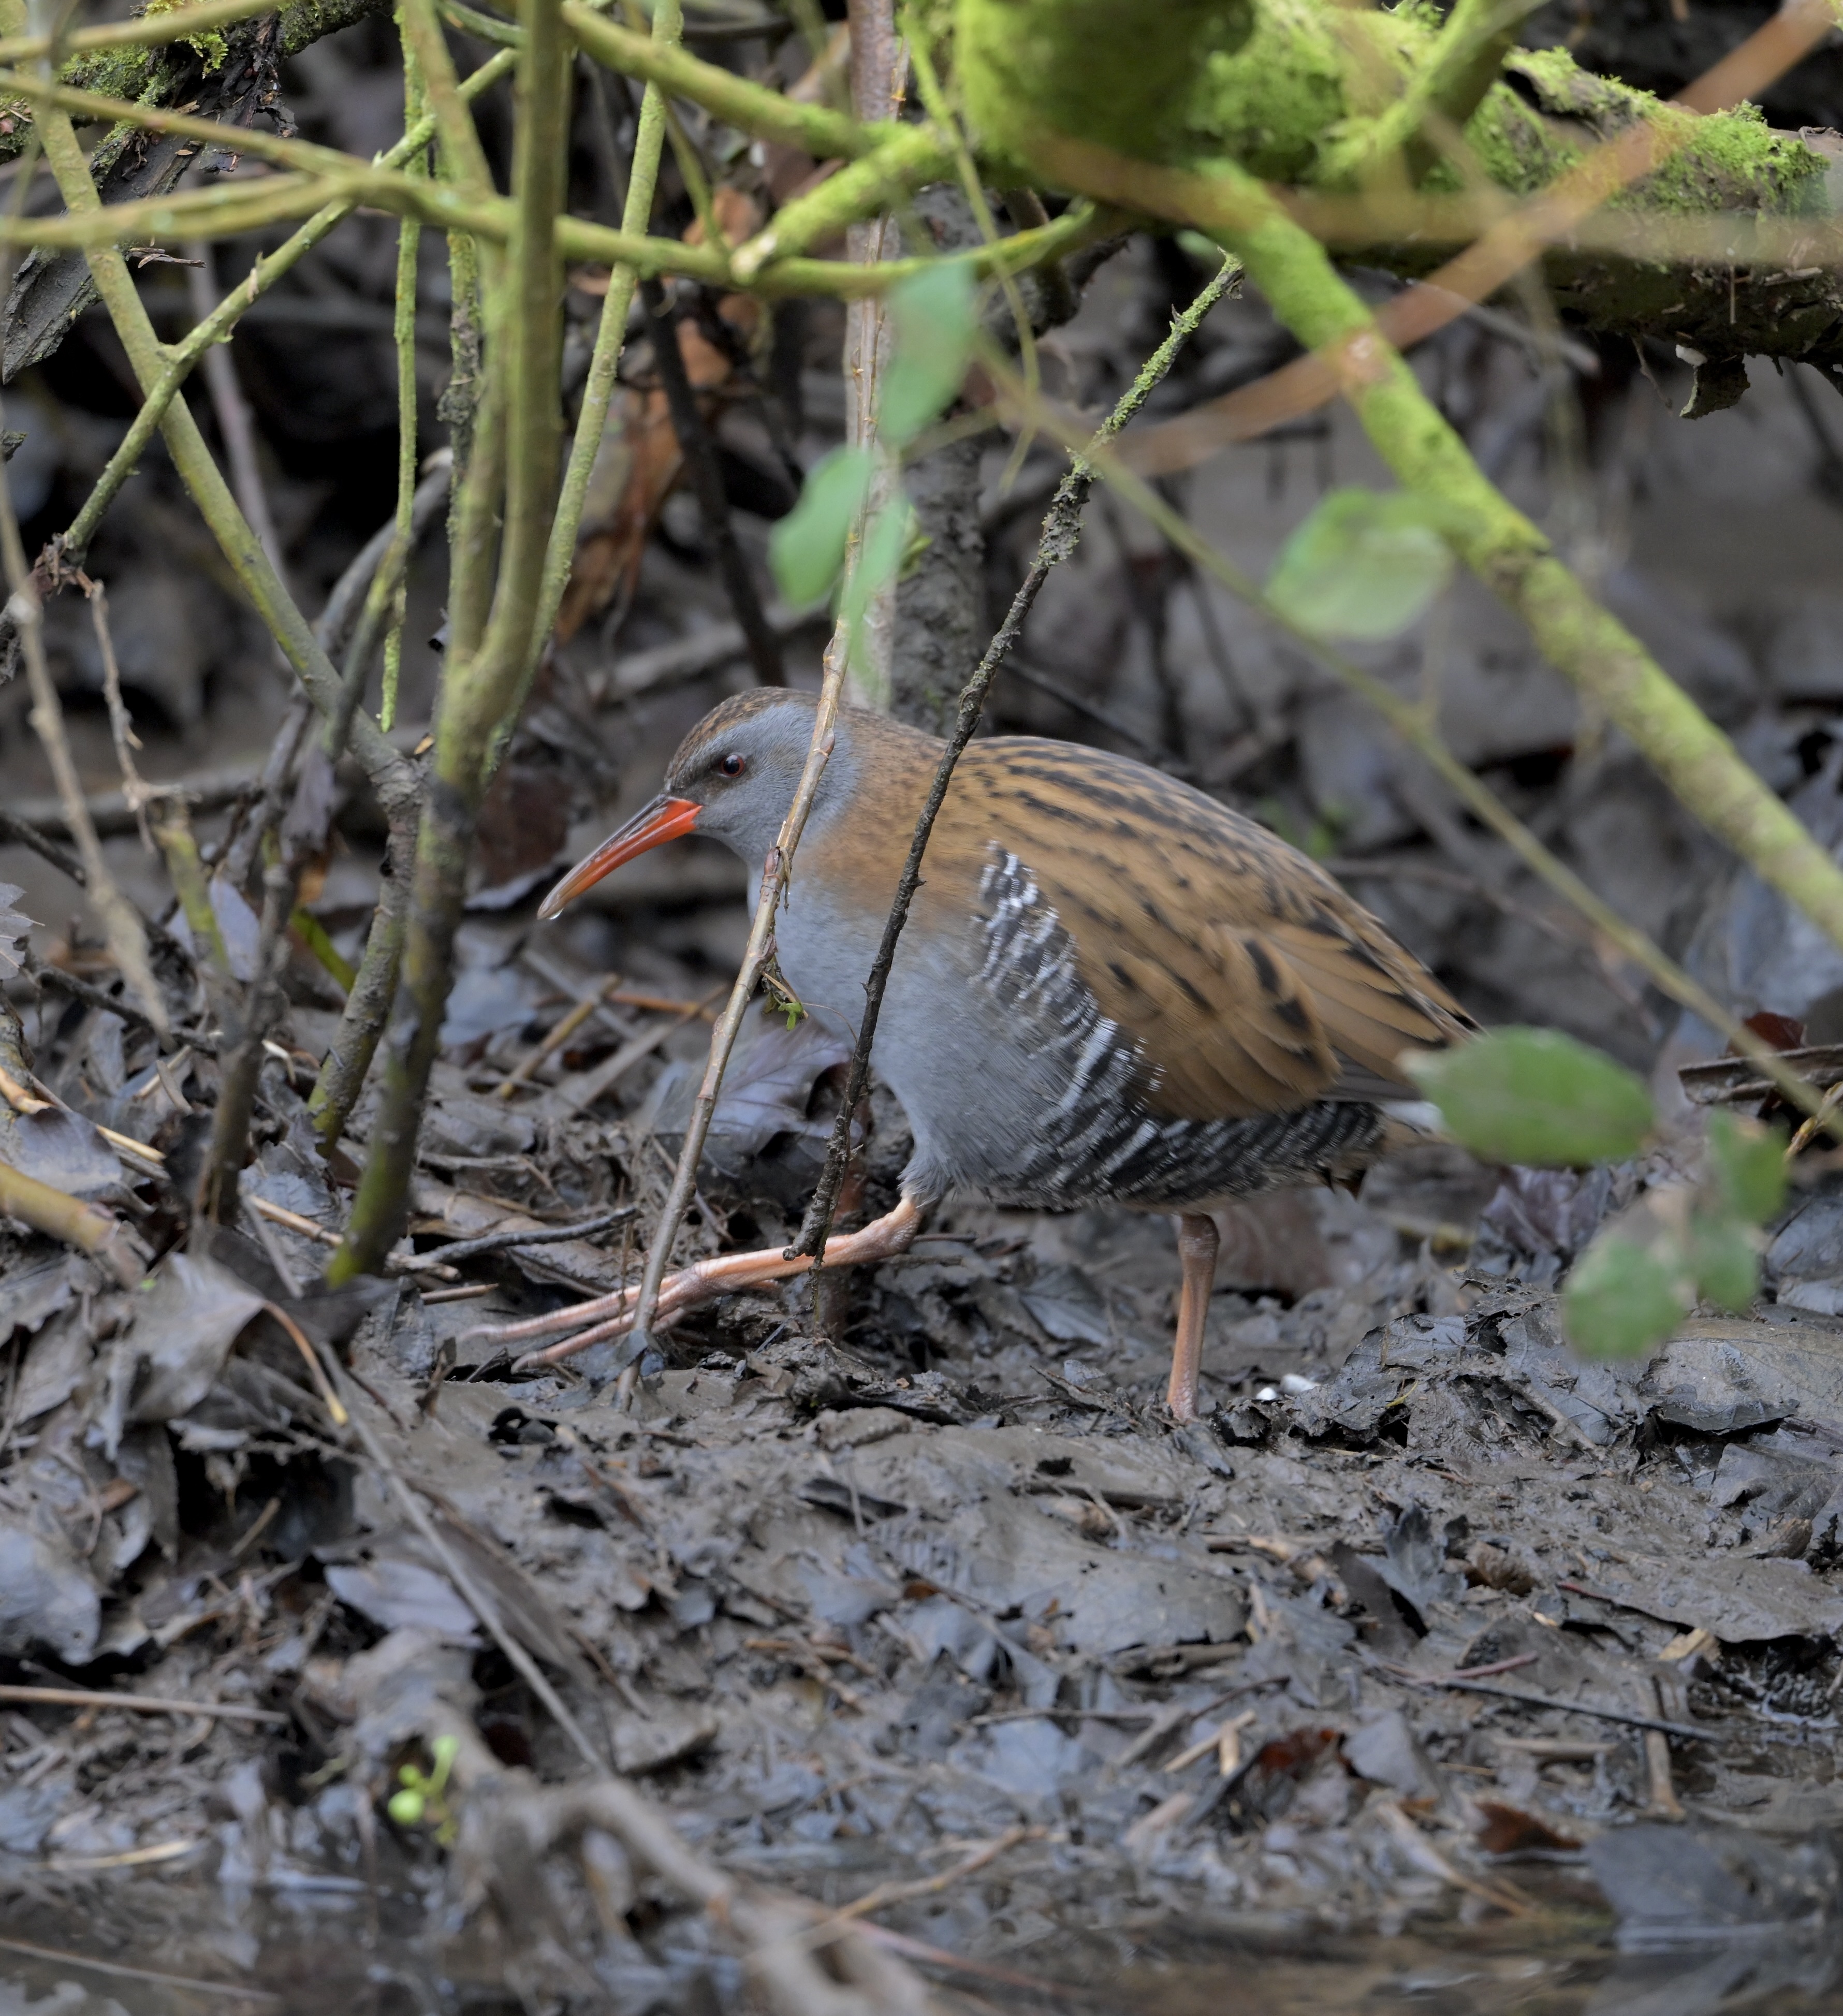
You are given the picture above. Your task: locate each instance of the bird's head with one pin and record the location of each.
(732, 779)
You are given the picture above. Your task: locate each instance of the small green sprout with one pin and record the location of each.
(423, 1797)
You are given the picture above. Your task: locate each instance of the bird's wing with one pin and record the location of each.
(1250, 982)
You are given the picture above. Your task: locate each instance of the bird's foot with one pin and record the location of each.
(705, 1280)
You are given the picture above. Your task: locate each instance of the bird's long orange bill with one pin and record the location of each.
(652, 825)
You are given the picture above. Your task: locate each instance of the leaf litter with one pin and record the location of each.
(1423, 1628)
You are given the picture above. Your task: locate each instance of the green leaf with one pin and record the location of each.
(885, 540)
(933, 317)
(1725, 1261)
(406, 1808)
(1747, 1161)
(1535, 1096)
(1621, 1300)
(878, 558)
(806, 548)
(1365, 564)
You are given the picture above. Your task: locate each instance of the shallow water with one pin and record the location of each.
(149, 1947)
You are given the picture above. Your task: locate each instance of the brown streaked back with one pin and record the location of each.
(1252, 982)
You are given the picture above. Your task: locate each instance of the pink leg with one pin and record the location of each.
(1197, 1242)
(705, 1280)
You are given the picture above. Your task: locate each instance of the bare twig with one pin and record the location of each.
(574, 1095)
(885, 1893)
(465, 1586)
(94, 997)
(185, 1983)
(506, 1242)
(368, 1000)
(121, 922)
(1688, 1730)
(775, 871)
(140, 1703)
(1061, 530)
(121, 726)
(22, 832)
(699, 453)
(232, 409)
(878, 64)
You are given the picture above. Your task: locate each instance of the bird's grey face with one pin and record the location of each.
(742, 775)
(733, 778)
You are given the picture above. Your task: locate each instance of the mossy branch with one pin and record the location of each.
(1513, 558)
(751, 108)
(389, 776)
(610, 335)
(1463, 64)
(1507, 552)
(160, 53)
(182, 356)
(479, 687)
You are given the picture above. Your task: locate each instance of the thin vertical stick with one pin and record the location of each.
(232, 409)
(122, 922)
(610, 335)
(878, 62)
(182, 356)
(699, 453)
(1062, 527)
(481, 688)
(409, 238)
(775, 871)
(121, 726)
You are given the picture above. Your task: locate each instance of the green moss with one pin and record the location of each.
(1283, 88)
(1120, 73)
(1271, 103)
(211, 46)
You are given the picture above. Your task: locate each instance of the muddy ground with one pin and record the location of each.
(1433, 1670)
(1427, 1629)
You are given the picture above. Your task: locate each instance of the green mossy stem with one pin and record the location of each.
(751, 108)
(389, 776)
(1468, 51)
(907, 160)
(604, 362)
(1512, 557)
(216, 326)
(479, 688)
(343, 178)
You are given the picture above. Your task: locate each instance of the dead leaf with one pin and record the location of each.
(46, 1601)
(1505, 1830)
(238, 925)
(15, 927)
(60, 1148)
(187, 1316)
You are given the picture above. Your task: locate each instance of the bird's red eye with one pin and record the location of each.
(733, 766)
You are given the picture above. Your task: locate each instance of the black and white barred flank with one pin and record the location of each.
(1101, 1142)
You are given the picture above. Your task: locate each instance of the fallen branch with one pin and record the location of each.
(140, 1704)
(59, 1216)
